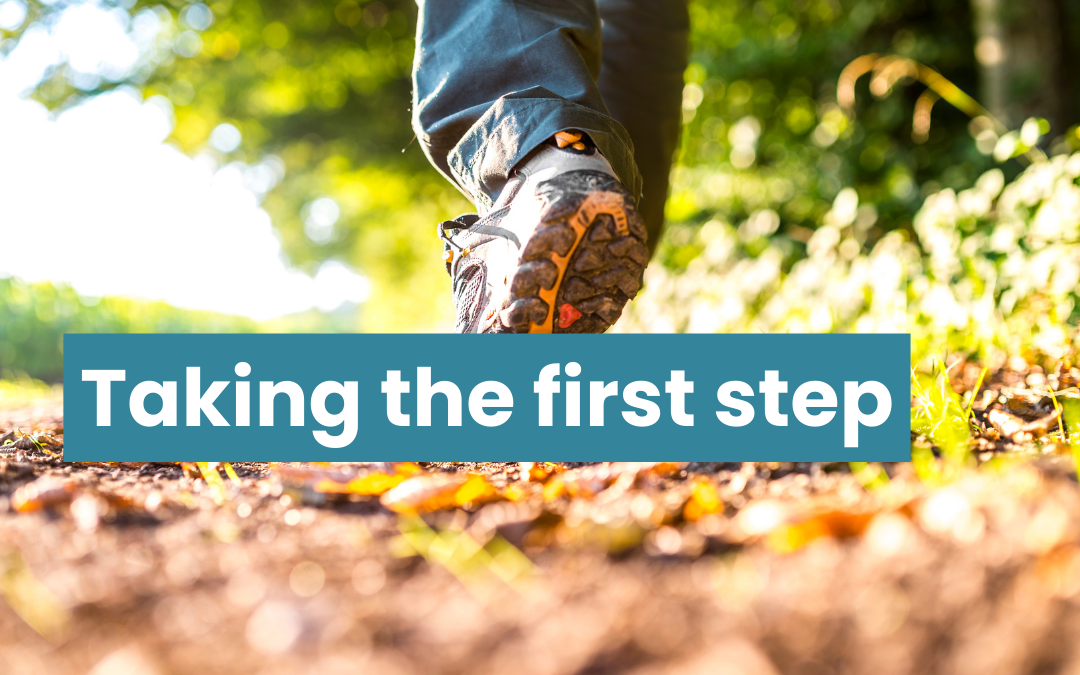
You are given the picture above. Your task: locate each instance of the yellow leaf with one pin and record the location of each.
(703, 500)
(476, 490)
(426, 492)
(407, 469)
(517, 492)
(554, 488)
(31, 599)
(432, 492)
(371, 484)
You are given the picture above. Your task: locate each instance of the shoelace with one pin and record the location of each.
(477, 225)
(562, 140)
(456, 224)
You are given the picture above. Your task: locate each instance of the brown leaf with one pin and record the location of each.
(44, 493)
(1014, 428)
(786, 527)
(1005, 423)
(588, 481)
(836, 524)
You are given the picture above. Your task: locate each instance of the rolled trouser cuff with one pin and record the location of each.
(518, 123)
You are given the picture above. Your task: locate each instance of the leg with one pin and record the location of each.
(503, 91)
(494, 79)
(644, 56)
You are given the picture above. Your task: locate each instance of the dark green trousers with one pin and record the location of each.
(493, 79)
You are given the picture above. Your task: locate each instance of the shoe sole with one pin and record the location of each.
(584, 261)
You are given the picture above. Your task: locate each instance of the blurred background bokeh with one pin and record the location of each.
(248, 165)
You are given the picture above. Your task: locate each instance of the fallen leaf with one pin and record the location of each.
(1016, 429)
(519, 491)
(373, 484)
(31, 599)
(431, 492)
(836, 524)
(704, 499)
(476, 490)
(327, 479)
(589, 481)
(785, 527)
(43, 493)
(538, 471)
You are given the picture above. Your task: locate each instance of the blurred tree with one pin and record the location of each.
(1027, 54)
(318, 91)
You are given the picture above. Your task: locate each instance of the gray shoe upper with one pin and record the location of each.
(484, 254)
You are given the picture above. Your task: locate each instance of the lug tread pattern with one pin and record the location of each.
(602, 264)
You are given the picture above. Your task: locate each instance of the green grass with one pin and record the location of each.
(25, 392)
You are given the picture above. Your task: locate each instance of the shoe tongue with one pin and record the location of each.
(513, 186)
(548, 161)
(551, 161)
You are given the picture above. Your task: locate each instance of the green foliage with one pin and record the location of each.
(321, 92)
(939, 414)
(34, 318)
(1002, 266)
(1071, 409)
(323, 88)
(992, 270)
(25, 391)
(788, 212)
(764, 130)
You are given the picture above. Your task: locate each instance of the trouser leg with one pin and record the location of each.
(493, 79)
(645, 52)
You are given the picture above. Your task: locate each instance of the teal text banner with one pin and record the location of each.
(486, 398)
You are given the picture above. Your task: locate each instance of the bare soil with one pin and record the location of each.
(799, 569)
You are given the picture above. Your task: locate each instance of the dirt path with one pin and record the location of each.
(544, 569)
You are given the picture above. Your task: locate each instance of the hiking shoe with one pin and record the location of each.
(561, 251)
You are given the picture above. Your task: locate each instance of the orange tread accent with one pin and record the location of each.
(595, 204)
